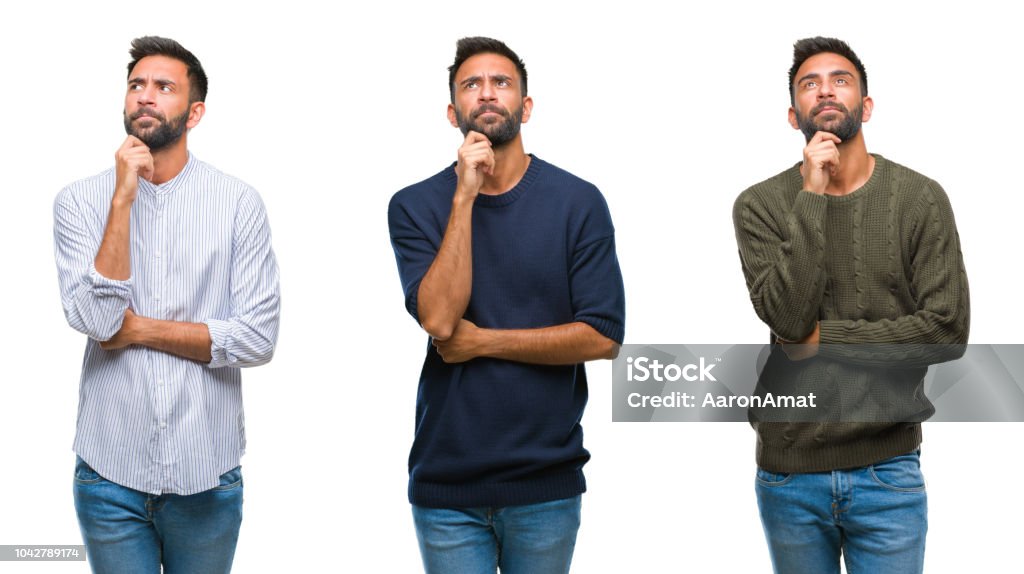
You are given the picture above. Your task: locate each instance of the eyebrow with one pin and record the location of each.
(496, 77)
(158, 81)
(832, 74)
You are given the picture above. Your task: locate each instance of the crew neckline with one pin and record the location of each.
(510, 196)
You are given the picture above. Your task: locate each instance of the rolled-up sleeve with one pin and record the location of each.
(248, 337)
(93, 304)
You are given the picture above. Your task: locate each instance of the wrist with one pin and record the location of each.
(464, 196)
(488, 343)
(139, 330)
(121, 201)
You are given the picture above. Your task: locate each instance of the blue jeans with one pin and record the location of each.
(532, 538)
(127, 531)
(875, 516)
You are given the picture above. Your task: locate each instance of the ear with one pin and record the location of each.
(869, 106)
(195, 113)
(453, 118)
(527, 108)
(792, 119)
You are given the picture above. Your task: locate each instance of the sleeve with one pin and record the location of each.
(783, 256)
(248, 337)
(415, 249)
(595, 280)
(938, 330)
(93, 304)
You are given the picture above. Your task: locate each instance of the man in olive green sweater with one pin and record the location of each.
(854, 263)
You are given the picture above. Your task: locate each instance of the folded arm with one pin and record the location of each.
(566, 344)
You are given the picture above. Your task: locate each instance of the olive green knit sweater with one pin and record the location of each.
(881, 265)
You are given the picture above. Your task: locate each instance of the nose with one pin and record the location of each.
(487, 91)
(825, 90)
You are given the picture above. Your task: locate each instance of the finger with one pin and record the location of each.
(479, 160)
(133, 142)
(475, 148)
(475, 137)
(823, 136)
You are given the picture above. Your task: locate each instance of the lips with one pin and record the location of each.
(485, 109)
(829, 107)
(147, 114)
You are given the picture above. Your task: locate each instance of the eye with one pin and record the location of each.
(470, 85)
(165, 89)
(134, 87)
(841, 81)
(503, 83)
(810, 85)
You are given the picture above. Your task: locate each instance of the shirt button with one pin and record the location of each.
(163, 424)
(156, 297)
(158, 254)
(160, 382)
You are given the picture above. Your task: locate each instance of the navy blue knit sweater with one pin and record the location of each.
(491, 432)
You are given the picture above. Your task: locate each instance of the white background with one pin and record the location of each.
(670, 111)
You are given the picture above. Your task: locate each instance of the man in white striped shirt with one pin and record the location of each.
(166, 264)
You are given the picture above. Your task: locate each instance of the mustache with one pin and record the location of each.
(484, 108)
(829, 104)
(150, 112)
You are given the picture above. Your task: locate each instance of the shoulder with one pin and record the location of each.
(779, 190)
(566, 197)
(909, 182)
(96, 187)
(213, 180)
(436, 189)
(569, 186)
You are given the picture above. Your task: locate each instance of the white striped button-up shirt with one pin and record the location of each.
(201, 253)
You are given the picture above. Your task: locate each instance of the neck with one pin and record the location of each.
(510, 163)
(168, 162)
(855, 167)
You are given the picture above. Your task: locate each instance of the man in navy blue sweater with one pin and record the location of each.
(509, 264)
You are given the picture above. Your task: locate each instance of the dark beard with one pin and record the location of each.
(846, 130)
(499, 133)
(163, 134)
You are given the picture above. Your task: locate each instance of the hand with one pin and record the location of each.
(125, 336)
(133, 161)
(804, 348)
(821, 161)
(464, 344)
(476, 159)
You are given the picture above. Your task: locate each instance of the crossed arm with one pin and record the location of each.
(439, 299)
(94, 270)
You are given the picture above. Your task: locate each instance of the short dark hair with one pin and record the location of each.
(157, 46)
(466, 48)
(804, 49)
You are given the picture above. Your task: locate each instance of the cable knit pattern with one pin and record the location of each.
(880, 270)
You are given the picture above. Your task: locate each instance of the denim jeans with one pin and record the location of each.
(527, 539)
(875, 516)
(127, 531)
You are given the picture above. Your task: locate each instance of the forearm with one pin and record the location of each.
(113, 257)
(186, 340)
(446, 287)
(566, 344)
(559, 345)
